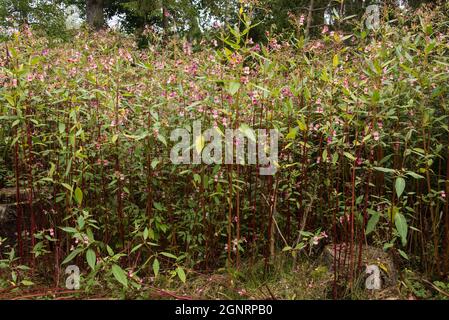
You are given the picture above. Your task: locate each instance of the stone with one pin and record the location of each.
(8, 213)
(8, 223)
(373, 260)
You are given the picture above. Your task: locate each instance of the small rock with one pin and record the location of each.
(8, 223)
(370, 256)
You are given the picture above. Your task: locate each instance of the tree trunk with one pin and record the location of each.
(309, 18)
(94, 13)
(165, 20)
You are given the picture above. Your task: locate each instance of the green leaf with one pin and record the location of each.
(145, 234)
(401, 226)
(61, 127)
(67, 186)
(69, 229)
(136, 248)
(403, 254)
(156, 266)
(27, 282)
(371, 225)
(158, 206)
(248, 132)
(78, 196)
(400, 186)
(335, 61)
(120, 275)
(415, 175)
(81, 222)
(199, 143)
(91, 258)
(292, 134)
(181, 274)
(301, 125)
(162, 139)
(233, 87)
(386, 170)
(72, 255)
(349, 156)
(110, 251)
(154, 163)
(169, 255)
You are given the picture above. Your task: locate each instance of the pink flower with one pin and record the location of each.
(256, 48)
(319, 109)
(325, 29)
(286, 92)
(242, 292)
(443, 194)
(376, 135)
